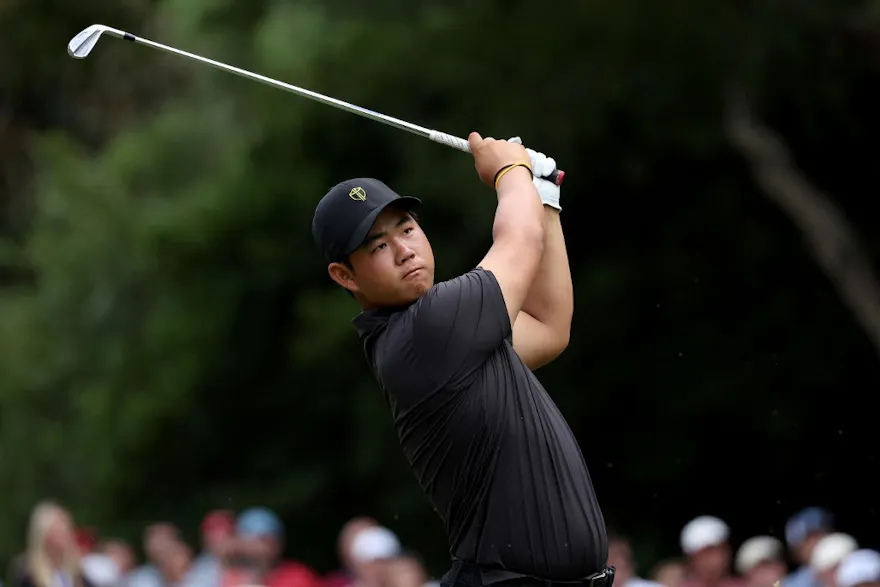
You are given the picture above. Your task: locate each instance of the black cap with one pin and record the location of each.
(346, 213)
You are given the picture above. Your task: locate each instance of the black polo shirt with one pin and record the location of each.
(484, 439)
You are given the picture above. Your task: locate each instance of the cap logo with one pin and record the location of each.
(358, 194)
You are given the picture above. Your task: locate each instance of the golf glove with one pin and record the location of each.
(542, 166)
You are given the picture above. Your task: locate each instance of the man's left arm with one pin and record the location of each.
(543, 326)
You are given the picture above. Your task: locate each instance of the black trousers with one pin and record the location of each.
(467, 575)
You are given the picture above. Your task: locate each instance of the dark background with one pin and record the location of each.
(170, 342)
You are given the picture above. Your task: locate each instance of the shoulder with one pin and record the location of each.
(456, 302)
(639, 582)
(476, 279)
(802, 577)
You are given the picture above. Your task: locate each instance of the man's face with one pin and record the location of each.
(217, 538)
(393, 267)
(766, 573)
(711, 562)
(346, 537)
(804, 550)
(159, 538)
(121, 554)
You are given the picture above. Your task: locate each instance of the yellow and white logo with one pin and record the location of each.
(358, 194)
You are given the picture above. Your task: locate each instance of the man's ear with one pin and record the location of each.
(343, 275)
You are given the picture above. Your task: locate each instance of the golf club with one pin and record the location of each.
(82, 44)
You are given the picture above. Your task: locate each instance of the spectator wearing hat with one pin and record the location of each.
(620, 556)
(760, 561)
(260, 537)
(346, 575)
(86, 539)
(860, 569)
(371, 548)
(827, 555)
(705, 542)
(802, 531)
(217, 530)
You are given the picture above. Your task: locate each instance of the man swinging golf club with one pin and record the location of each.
(484, 439)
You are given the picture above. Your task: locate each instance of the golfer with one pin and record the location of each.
(455, 360)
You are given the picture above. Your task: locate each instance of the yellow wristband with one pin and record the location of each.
(508, 168)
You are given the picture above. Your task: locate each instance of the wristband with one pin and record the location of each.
(501, 172)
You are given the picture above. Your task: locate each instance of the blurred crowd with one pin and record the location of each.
(245, 549)
(236, 550)
(812, 553)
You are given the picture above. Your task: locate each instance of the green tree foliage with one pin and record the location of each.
(175, 344)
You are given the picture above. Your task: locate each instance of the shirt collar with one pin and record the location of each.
(368, 321)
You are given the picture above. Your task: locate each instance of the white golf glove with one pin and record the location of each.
(542, 166)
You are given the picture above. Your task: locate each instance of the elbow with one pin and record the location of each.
(534, 240)
(527, 240)
(562, 338)
(531, 237)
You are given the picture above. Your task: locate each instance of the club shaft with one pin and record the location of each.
(433, 135)
(340, 104)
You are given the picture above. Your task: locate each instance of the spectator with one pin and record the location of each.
(345, 576)
(827, 555)
(761, 561)
(670, 572)
(160, 539)
(860, 569)
(802, 531)
(620, 556)
(120, 552)
(86, 540)
(704, 541)
(370, 549)
(101, 570)
(261, 539)
(218, 529)
(404, 571)
(175, 564)
(52, 558)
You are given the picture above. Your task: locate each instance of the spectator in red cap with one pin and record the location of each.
(86, 540)
(217, 529)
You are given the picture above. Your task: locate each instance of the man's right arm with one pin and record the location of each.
(518, 229)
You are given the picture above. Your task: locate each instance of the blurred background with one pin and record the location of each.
(173, 354)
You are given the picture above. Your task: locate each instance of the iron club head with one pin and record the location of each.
(82, 44)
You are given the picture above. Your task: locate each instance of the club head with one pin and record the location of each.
(82, 44)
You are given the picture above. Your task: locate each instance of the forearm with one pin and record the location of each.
(550, 299)
(519, 214)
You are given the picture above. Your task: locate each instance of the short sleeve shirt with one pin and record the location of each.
(485, 441)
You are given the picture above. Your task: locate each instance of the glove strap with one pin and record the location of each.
(503, 171)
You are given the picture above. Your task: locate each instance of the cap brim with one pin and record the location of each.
(360, 234)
